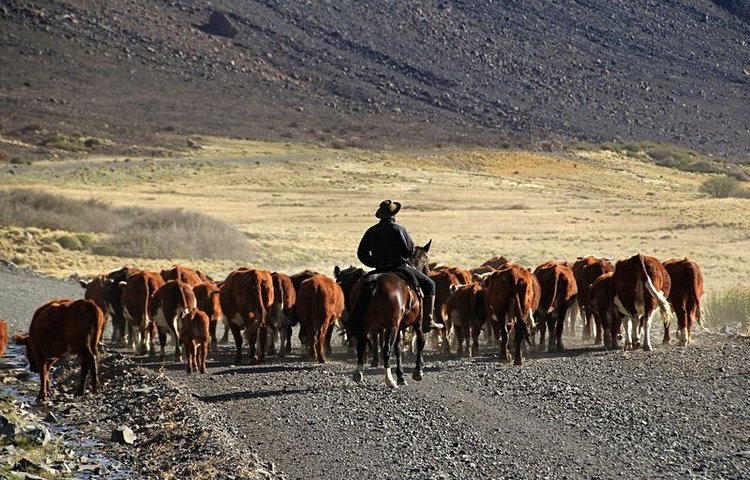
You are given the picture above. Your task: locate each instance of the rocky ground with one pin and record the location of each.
(587, 413)
(374, 73)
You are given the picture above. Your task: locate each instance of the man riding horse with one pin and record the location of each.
(387, 247)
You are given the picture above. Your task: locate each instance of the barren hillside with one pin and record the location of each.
(380, 73)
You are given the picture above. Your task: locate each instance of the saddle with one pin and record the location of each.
(403, 272)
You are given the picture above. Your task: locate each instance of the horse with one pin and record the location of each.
(384, 302)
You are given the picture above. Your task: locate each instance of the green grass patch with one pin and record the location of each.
(72, 143)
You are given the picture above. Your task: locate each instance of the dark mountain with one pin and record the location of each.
(386, 72)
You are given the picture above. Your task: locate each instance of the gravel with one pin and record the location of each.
(586, 413)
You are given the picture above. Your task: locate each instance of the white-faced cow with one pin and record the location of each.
(167, 308)
(685, 295)
(64, 329)
(640, 284)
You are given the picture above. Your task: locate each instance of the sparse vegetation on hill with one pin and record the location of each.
(124, 232)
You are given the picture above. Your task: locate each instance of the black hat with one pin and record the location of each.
(388, 209)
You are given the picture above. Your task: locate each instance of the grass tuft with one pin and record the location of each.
(728, 307)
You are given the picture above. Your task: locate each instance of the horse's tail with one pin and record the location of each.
(354, 326)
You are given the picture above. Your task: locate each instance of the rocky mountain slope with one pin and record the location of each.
(494, 72)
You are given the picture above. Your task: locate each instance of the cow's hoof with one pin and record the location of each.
(358, 377)
(561, 348)
(254, 361)
(417, 375)
(237, 360)
(401, 381)
(518, 362)
(647, 347)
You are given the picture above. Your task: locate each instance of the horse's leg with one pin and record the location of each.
(418, 369)
(375, 338)
(399, 366)
(361, 346)
(388, 344)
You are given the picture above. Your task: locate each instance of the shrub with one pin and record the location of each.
(720, 186)
(728, 307)
(69, 242)
(4, 157)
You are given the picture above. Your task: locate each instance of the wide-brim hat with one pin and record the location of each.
(387, 209)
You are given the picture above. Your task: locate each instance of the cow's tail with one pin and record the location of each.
(661, 300)
(354, 326)
(185, 307)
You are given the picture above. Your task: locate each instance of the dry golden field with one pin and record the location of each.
(306, 207)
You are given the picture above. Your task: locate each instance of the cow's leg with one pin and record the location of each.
(543, 332)
(324, 341)
(237, 334)
(44, 380)
(647, 330)
(559, 326)
(504, 357)
(519, 335)
(552, 322)
(85, 367)
(599, 330)
(327, 336)
(475, 340)
(627, 330)
(212, 331)
(459, 331)
(225, 338)
(203, 352)
(614, 331)
(188, 355)
(176, 340)
(418, 372)
(389, 341)
(263, 337)
(361, 346)
(252, 342)
(162, 343)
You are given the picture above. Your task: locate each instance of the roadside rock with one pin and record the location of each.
(123, 435)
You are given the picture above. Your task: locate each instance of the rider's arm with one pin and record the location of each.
(363, 252)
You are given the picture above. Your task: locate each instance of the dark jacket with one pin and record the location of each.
(385, 245)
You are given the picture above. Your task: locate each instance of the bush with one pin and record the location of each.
(4, 157)
(69, 242)
(721, 186)
(729, 307)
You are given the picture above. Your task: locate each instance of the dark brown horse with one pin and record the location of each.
(384, 302)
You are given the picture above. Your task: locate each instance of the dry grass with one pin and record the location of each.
(307, 208)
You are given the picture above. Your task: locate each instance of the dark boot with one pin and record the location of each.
(428, 319)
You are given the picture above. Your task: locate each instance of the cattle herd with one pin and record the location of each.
(511, 303)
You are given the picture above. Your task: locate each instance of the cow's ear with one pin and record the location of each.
(426, 248)
(83, 283)
(336, 271)
(21, 338)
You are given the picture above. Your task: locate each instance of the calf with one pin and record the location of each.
(444, 280)
(685, 296)
(246, 297)
(195, 336)
(513, 295)
(640, 284)
(136, 297)
(64, 329)
(167, 308)
(557, 302)
(183, 274)
(320, 302)
(586, 270)
(207, 300)
(467, 312)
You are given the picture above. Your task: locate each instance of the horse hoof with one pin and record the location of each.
(417, 375)
(358, 377)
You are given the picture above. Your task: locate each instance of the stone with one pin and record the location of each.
(37, 435)
(219, 24)
(123, 435)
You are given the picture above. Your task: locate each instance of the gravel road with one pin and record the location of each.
(587, 413)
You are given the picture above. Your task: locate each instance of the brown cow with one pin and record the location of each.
(601, 307)
(496, 262)
(639, 284)
(467, 312)
(246, 297)
(3, 336)
(586, 270)
(167, 308)
(195, 336)
(64, 329)
(443, 279)
(685, 296)
(320, 302)
(184, 274)
(279, 318)
(104, 290)
(207, 300)
(513, 295)
(136, 296)
(557, 302)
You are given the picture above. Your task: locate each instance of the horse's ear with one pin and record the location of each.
(336, 271)
(426, 248)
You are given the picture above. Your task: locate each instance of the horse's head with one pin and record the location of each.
(419, 259)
